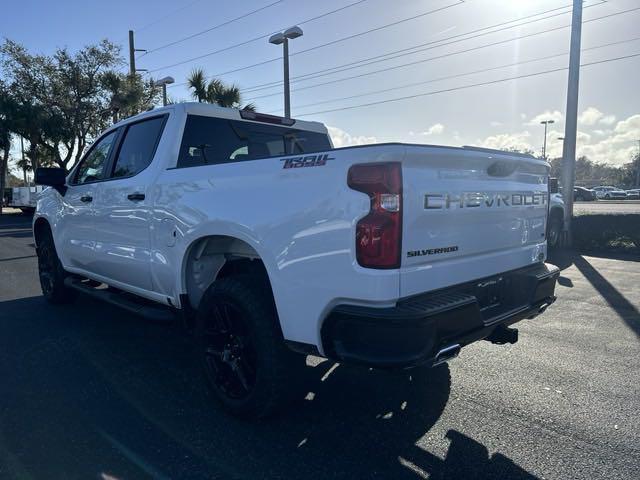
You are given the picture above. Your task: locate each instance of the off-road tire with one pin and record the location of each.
(277, 369)
(51, 273)
(554, 230)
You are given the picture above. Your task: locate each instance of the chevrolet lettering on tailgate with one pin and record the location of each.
(439, 201)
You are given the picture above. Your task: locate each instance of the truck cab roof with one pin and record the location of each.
(210, 110)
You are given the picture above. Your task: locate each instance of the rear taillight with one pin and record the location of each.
(379, 233)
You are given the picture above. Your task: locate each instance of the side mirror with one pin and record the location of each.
(553, 185)
(52, 177)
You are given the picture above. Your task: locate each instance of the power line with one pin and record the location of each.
(392, 55)
(254, 39)
(463, 87)
(395, 67)
(168, 15)
(408, 48)
(376, 29)
(275, 83)
(402, 65)
(207, 30)
(459, 75)
(278, 82)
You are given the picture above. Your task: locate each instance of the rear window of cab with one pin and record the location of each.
(211, 141)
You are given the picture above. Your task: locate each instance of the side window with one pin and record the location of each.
(93, 164)
(208, 140)
(137, 148)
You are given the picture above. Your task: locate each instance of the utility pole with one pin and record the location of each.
(571, 125)
(132, 54)
(638, 166)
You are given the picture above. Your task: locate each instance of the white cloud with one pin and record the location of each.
(503, 141)
(582, 137)
(590, 116)
(495, 123)
(629, 127)
(608, 120)
(436, 129)
(341, 138)
(619, 146)
(556, 116)
(614, 146)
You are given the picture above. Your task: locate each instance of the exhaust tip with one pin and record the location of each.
(446, 354)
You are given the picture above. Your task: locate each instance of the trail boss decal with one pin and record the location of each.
(319, 160)
(431, 251)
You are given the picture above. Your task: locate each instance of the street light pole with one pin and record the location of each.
(544, 144)
(163, 82)
(571, 125)
(287, 88)
(283, 38)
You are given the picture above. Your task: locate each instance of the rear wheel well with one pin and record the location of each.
(214, 257)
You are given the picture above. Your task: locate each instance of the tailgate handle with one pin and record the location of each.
(134, 197)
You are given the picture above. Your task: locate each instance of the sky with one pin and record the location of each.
(419, 71)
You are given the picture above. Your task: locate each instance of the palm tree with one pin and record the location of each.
(215, 91)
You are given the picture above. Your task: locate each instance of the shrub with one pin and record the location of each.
(607, 231)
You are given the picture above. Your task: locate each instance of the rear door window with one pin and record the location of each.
(138, 147)
(210, 141)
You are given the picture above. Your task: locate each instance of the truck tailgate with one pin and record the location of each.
(469, 213)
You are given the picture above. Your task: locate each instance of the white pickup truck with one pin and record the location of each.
(274, 244)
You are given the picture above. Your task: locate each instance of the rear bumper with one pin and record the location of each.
(417, 328)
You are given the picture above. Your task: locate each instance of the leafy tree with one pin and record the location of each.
(128, 94)
(59, 103)
(591, 174)
(215, 91)
(5, 143)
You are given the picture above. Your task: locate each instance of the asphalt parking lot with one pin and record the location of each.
(88, 391)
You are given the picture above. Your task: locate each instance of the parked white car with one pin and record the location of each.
(610, 193)
(274, 244)
(633, 194)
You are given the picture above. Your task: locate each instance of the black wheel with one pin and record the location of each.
(51, 273)
(240, 346)
(554, 230)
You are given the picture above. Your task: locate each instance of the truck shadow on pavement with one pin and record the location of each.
(91, 392)
(626, 310)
